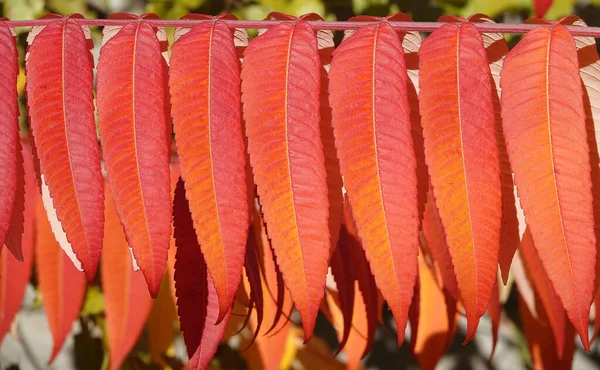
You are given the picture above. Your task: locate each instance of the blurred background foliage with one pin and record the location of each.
(160, 345)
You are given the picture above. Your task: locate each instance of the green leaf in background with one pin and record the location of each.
(490, 8)
(22, 10)
(94, 302)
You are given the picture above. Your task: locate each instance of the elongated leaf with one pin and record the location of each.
(276, 293)
(61, 111)
(252, 268)
(434, 234)
(541, 341)
(197, 301)
(9, 131)
(495, 313)
(61, 284)
(342, 272)
(16, 228)
(204, 84)
(287, 157)
(496, 49)
(435, 330)
(15, 274)
(373, 137)
(126, 299)
(135, 141)
(544, 291)
(544, 127)
(461, 153)
(589, 71)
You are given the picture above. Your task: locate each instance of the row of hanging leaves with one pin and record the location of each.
(428, 138)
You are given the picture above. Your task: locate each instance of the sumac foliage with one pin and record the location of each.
(305, 175)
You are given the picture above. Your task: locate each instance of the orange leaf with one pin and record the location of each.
(540, 341)
(461, 153)
(377, 160)
(497, 48)
(61, 110)
(544, 291)
(495, 312)
(15, 274)
(197, 301)
(287, 157)
(435, 330)
(433, 230)
(547, 145)
(61, 285)
(589, 67)
(126, 299)
(204, 83)
(9, 137)
(136, 140)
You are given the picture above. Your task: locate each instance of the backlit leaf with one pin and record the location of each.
(61, 284)
(461, 153)
(9, 134)
(197, 301)
(374, 142)
(205, 94)
(15, 274)
(544, 291)
(61, 110)
(544, 127)
(435, 330)
(136, 139)
(282, 125)
(126, 299)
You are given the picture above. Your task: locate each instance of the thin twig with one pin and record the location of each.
(324, 25)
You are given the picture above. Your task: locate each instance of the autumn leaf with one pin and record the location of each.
(548, 149)
(287, 157)
(541, 341)
(496, 49)
(374, 142)
(15, 274)
(197, 301)
(126, 299)
(136, 139)
(9, 132)
(204, 83)
(435, 331)
(61, 109)
(461, 153)
(544, 291)
(62, 286)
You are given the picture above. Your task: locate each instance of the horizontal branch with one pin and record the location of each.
(324, 25)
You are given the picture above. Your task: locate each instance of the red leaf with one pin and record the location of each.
(495, 312)
(377, 160)
(126, 299)
(61, 285)
(204, 84)
(16, 228)
(61, 109)
(287, 157)
(540, 341)
(197, 301)
(14, 274)
(136, 140)
(435, 331)
(462, 156)
(252, 268)
(497, 48)
(9, 133)
(434, 234)
(541, 7)
(342, 262)
(547, 145)
(544, 290)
